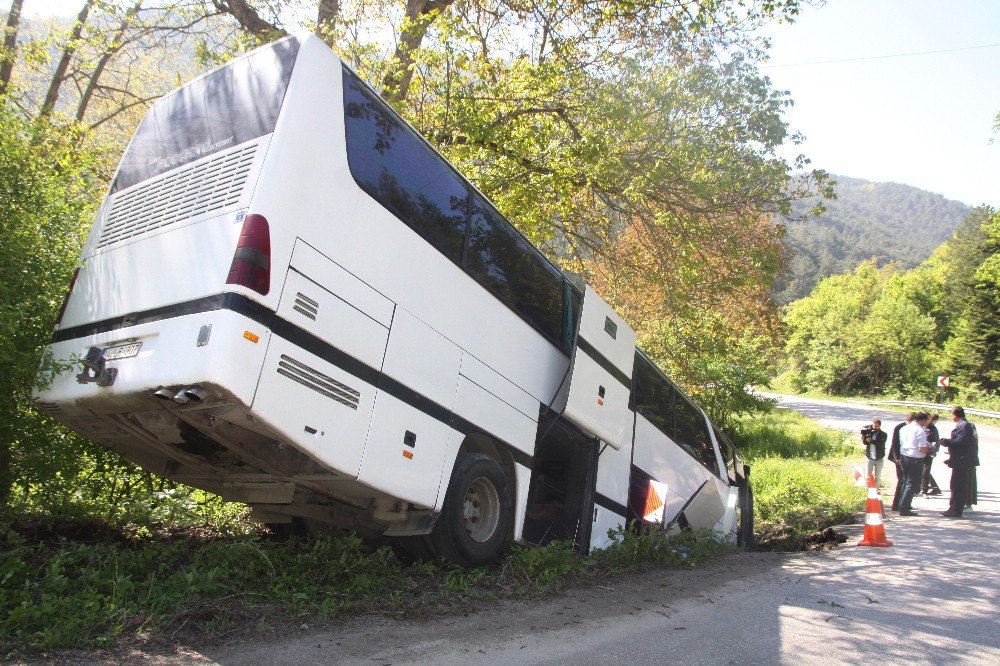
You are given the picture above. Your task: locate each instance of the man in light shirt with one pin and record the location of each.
(913, 446)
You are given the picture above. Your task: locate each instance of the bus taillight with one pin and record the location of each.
(251, 266)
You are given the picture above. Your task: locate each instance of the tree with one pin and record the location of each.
(973, 350)
(46, 200)
(860, 332)
(9, 52)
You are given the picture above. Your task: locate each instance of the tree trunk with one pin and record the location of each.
(420, 15)
(52, 96)
(326, 19)
(249, 19)
(8, 54)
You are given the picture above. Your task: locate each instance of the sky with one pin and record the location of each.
(872, 97)
(924, 120)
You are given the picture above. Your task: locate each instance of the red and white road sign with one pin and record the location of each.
(943, 381)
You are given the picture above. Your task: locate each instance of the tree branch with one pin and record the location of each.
(52, 95)
(7, 56)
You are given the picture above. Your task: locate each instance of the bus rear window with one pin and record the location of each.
(231, 105)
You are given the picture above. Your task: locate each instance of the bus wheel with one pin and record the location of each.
(744, 537)
(476, 515)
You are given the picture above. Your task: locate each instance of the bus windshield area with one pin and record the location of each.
(225, 108)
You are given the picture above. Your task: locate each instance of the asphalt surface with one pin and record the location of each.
(931, 598)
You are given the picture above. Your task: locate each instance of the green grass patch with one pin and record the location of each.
(801, 475)
(64, 594)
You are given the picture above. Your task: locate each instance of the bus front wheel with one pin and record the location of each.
(476, 515)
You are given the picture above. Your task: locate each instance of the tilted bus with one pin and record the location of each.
(289, 298)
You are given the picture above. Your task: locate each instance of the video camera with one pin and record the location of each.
(867, 434)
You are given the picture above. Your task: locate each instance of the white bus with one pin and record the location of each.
(289, 298)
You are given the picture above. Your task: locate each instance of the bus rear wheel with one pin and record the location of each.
(744, 537)
(476, 515)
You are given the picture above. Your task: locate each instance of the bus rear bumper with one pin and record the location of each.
(219, 348)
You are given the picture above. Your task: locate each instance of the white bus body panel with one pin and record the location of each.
(367, 337)
(597, 400)
(665, 461)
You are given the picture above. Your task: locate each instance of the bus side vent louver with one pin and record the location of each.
(317, 381)
(202, 187)
(306, 306)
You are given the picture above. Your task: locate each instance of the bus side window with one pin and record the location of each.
(508, 266)
(653, 396)
(398, 169)
(728, 454)
(692, 433)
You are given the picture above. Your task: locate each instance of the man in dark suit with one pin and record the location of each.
(963, 447)
(894, 458)
(928, 485)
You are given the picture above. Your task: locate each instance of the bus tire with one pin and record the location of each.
(476, 516)
(744, 537)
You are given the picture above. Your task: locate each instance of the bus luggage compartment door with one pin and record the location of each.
(601, 374)
(320, 374)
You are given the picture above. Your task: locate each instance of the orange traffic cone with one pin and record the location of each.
(874, 527)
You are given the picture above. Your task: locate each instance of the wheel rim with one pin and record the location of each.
(481, 510)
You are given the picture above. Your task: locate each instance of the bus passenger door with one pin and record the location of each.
(597, 400)
(561, 493)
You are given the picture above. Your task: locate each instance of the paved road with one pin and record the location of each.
(930, 599)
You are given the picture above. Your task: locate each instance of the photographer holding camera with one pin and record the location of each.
(873, 437)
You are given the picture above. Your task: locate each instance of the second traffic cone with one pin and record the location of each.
(874, 527)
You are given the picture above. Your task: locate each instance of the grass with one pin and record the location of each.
(86, 584)
(63, 594)
(801, 475)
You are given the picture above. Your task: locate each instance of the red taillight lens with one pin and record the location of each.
(252, 261)
(72, 283)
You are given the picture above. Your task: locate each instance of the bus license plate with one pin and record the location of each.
(122, 351)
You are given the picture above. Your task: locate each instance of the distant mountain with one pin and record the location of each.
(889, 221)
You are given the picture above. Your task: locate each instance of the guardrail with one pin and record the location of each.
(930, 405)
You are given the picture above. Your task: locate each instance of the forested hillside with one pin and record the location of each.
(887, 330)
(887, 221)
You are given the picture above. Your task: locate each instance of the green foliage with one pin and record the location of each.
(783, 433)
(46, 203)
(714, 364)
(889, 331)
(859, 332)
(652, 546)
(64, 594)
(80, 594)
(801, 475)
(973, 351)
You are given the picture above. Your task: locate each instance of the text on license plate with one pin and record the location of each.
(122, 351)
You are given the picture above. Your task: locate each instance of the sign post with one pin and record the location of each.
(943, 382)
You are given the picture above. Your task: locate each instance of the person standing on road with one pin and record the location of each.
(963, 447)
(875, 452)
(894, 458)
(913, 448)
(928, 485)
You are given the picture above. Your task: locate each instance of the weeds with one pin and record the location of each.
(109, 582)
(801, 475)
(61, 595)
